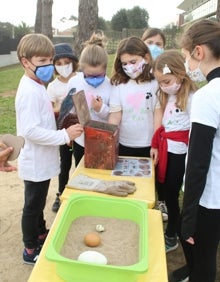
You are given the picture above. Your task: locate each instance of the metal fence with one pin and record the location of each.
(113, 38)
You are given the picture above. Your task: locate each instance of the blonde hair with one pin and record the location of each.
(94, 53)
(35, 44)
(174, 62)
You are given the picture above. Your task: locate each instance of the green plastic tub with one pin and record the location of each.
(83, 205)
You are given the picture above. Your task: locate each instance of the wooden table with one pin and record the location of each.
(145, 185)
(45, 271)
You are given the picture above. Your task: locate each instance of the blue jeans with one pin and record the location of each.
(32, 222)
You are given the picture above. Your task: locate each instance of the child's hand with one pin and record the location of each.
(4, 154)
(190, 240)
(69, 120)
(74, 131)
(96, 103)
(154, 154)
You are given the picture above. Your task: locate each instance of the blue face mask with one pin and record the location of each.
(44, 73)
(95, 81)
(155, 50)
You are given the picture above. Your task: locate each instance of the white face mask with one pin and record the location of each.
(171, 89)
(196, 74)
(134, 70)
(65, 70)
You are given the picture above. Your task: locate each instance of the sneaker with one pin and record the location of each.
(171, 243)
(180, 275)
(31, 258)
(57, 203)
(163, 208)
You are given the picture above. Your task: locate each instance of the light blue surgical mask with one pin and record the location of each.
(95, 81)
(44, 73)
(155, 50)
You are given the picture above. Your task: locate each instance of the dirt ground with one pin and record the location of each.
(12, 268)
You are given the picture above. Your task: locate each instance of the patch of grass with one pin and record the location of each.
(7, 110)
(10, 77)
(111, 58)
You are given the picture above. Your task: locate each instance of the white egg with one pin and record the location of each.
(92, 257)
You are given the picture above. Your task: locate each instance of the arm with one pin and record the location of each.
(154, 154)
(199, 156)
(100, 108)
(115, 118)
(158, 115)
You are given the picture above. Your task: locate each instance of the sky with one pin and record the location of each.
(161, 12)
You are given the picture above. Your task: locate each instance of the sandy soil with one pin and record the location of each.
(12, 268)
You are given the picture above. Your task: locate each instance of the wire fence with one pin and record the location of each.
(113, 37)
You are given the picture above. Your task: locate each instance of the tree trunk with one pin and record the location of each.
(43, 21)
(38, 19)
(218, 11)
(87, 22)
(47, 18)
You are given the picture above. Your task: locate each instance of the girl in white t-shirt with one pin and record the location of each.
(170, 141)
(200, 225)
(133, 98)
(66, 63)
(96, 85)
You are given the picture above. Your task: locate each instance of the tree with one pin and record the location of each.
(5, 31)
(38, 18)
(9, 31)
(120, 20)
(43, 21)
(138, 18)
(218, 11)
(102, 24)
(21, 30)
(133, 18)
(87, 22)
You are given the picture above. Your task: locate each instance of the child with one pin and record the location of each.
(39, 158)
(93, 80)
(66, 64)
(200, 230)
(171, 139)
(133, 98)
(155, 39)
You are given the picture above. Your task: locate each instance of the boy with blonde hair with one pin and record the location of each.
(39, 159)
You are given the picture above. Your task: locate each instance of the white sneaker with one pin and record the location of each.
(163, 208)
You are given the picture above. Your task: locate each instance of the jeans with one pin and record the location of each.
(66, 154)
(32, 222)
(78, 152)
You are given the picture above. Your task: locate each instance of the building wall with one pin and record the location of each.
(9, 59)
(195, 10)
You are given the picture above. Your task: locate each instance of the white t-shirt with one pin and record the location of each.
(176, 120)
(137, 101)
(39, 158)
(57, 91)
(206, 110)
(103, 90)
